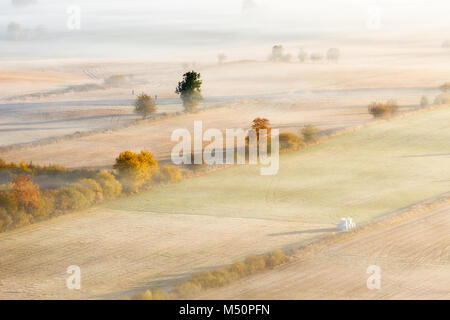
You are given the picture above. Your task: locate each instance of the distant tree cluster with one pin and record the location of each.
(15, 32)
(278, 54)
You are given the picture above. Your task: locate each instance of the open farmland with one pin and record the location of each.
(414, 257)
(163, 235)
(361, 174)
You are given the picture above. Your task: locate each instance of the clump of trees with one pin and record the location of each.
(444, 97)
(144, 105)
(445, 87)
(333, 54)
(116, 80)
(23, 201)
(29, 193)
(310, 133)
(383, 110)
(278, 54)
(15, 32)
(189, 90)
(302, 55)
(316, 57)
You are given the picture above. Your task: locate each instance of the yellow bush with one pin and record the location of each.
(275, 258)
(290, 142)
(170, 173)
(5, 220)
(147, 295)
(239, 268)
(95, 187)
(187, 289)
(159, 294)
(110, 186)
(255, 263)
(135, 169)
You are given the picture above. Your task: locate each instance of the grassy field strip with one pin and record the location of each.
(362, 174)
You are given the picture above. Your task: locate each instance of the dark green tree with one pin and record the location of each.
(190, 90)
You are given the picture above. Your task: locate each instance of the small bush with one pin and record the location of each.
(445, 87)
(187, 289)
(92, 185)
(147, 295)
(255, 263)
(110, 186)
(309, 133)
(442, 99)
(424, 102)
(26, 193)
(239, 268)
(170, 173)
(5, 220)
(8, 202)
(275, 258)
(290, 142)
(159, 294)
(383, 110)
(70, 198)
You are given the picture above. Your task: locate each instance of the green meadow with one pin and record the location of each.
(363, 174)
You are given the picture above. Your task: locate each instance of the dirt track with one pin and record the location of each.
(414, 258)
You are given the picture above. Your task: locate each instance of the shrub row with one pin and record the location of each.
(23, 202)
(216, 278)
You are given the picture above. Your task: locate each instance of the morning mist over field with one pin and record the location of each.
(241, 150)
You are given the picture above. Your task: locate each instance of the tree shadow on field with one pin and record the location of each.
(303, 232)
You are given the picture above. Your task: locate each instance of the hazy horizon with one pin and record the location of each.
(142, 29)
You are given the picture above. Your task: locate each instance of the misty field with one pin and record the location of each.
(413, 257)
(363, 174)
(164, 235)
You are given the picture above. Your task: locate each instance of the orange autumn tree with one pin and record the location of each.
(26, 193)
(260, 124)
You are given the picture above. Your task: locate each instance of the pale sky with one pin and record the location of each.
(179, 23)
